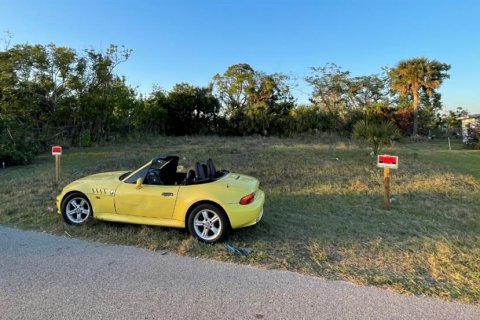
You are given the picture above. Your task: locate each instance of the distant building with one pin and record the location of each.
(470, 128)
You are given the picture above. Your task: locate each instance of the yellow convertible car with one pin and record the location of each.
(209, 203)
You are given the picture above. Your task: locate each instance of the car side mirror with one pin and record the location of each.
(138, 184)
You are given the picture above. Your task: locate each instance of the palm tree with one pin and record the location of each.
(413, 76)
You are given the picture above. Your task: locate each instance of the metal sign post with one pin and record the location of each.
(57, 153)
(387, 162)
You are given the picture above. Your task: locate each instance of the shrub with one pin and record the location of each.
(376, 134)
(472, 138)
(17, 148)
(85, 138)
(311, 119)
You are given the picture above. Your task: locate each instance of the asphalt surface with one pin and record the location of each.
(51, 277)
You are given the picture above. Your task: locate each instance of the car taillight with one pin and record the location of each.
(247, 199)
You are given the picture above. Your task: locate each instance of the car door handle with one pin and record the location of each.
(167, 194)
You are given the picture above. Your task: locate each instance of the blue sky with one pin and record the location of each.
(190, 41)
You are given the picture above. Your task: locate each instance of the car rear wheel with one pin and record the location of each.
(76, 209)
(208, 223)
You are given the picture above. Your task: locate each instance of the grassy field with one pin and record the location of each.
(323, 214)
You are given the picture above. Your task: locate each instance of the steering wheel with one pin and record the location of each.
(153, 177)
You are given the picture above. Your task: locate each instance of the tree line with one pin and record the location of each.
(51, 94)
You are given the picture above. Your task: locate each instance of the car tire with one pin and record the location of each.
(76, 209)
(208, 223)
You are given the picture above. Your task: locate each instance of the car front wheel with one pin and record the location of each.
(76, 209)
(208, 223)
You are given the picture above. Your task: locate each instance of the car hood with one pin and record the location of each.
(114, 175)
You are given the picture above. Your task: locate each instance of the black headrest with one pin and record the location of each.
(205, 170)
(211, 169)
(200, 171)
(190, 176)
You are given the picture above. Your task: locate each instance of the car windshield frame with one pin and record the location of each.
(143, 170)
(124, 175)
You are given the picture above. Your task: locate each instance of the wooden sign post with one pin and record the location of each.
(387, 162)
(57, 153)
(386, 182)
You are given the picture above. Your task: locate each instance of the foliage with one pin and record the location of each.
(472, 138)
(52, 94)
(234, 89)
(477, 139)
(151, 113)
(416, 77)
(191, 110)
(450, 119)
(346, 99)
(311, 119)
(403, 119)
(48, 90)
(376, 134)
(85, 138)
(254, 102)
(334, 90)
(17, 146)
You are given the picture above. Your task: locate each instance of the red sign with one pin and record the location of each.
(386, 161)
(56, 151)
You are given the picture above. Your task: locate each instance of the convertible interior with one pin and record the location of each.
(163, 171)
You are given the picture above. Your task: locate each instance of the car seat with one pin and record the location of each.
(190, 177)
(212, 172)
(200, 172)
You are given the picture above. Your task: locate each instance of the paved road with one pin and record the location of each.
(50, 277)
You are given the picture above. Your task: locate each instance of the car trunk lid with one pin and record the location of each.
(241, 182)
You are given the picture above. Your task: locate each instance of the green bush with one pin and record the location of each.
(312, 119)
(85, 138)
(376, 134)
(472, 138)
(17, 148)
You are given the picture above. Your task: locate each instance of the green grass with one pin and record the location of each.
(323, 213)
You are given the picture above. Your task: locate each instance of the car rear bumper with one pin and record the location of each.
(246, 215)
